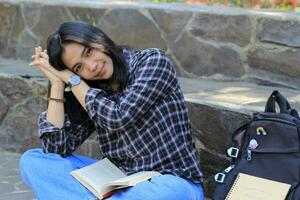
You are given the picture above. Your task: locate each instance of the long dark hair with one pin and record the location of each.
(88, 36)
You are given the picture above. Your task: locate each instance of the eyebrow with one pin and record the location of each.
(82, 53)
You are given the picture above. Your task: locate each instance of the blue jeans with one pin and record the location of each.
(48, 175)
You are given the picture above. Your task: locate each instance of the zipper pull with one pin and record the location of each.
(249, 157)
(228, 169)
(252, 145)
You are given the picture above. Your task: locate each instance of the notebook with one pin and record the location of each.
(247, 187)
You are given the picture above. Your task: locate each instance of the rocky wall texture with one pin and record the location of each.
(211, 42)
(21, 101)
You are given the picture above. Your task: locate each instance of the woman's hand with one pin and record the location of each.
(41, 61)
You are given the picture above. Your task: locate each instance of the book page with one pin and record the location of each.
(96, 175)
(135, 178)
(247, 187)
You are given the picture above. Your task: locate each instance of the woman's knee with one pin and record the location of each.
(28, 157)
(166, 187)
(174, 187)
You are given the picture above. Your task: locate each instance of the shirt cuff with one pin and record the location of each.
(47, 127)
(90, 101)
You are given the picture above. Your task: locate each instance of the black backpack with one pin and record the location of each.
(268, 147)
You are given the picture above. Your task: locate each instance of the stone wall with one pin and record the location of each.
(211, 42)
(21, 101)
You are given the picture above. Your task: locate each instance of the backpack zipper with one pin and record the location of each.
(276, 120)
(249, 155)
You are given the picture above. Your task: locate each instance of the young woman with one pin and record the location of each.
(133, 101)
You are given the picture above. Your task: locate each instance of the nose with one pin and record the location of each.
(91, 65)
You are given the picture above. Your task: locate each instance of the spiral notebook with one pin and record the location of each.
(247, 187)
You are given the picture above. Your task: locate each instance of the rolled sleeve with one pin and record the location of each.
(63, 140)
(47, 127)
(90, 98)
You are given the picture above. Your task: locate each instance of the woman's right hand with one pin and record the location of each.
(41, 61)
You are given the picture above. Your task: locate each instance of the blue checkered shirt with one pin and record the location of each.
(143, 127)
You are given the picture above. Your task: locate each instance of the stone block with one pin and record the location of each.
(90, 15)
(281, 64)
(18, 130)
(46, 22)
(14, 90)
(214, 126)
(284, 32)
(3, 108)
(11, 25)
(130, 27)
(235, 29)
(203, 59)
(171, 22)
(40, 89)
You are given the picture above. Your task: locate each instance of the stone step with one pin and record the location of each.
(216, 109)
(236, 96)
(243, 97)
(11, 184)
(18, 67)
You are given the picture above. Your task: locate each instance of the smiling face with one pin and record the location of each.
(88, 63)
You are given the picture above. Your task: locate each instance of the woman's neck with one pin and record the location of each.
(114, 85)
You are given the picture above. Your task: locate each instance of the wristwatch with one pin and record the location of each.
(73, 80)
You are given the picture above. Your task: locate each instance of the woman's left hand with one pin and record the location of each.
(43, 64)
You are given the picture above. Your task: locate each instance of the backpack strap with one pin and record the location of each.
(284, 105)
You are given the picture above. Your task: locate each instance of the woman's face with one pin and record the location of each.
(88, 63)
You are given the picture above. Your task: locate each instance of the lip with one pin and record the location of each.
(101, 71)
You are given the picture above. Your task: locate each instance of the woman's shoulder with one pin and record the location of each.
(150, 52)
(136, 59)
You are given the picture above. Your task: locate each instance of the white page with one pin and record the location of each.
(99, 173)
(135, 178)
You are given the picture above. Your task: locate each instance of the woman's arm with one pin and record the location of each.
(56, 131)
(58, 134)
(63, 140)
(55, 110)
(154, 80)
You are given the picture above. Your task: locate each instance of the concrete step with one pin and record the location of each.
(236, 96)
(18, 67)
(11, 184)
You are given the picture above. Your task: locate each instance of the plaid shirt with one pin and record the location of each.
(143, 127)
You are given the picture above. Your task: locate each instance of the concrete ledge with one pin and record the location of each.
(243, 97)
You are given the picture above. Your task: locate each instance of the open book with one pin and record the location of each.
(103, 177)
(247, 187)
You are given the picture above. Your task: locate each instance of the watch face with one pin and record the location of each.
(75, 80)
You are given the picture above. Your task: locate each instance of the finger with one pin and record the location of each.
(39, 49)
(34, 63)
(36, 54)
(44, 55)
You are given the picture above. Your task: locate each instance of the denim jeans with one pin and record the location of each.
(48, 175)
